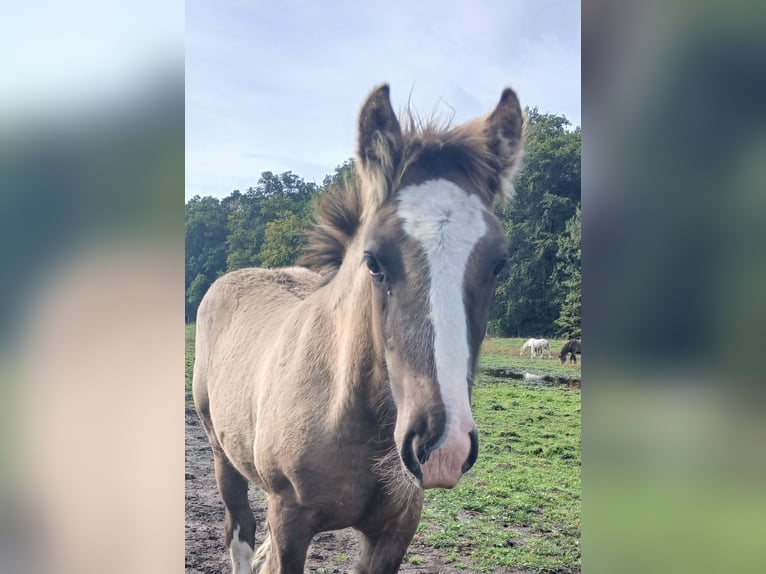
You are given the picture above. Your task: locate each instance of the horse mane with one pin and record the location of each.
(339, 215)
(430, 144)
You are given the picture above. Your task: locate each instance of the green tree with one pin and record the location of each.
(344, 172)
(242, 239)
(251, 212)
(568, 274)
(527, 301)
(205, 244)
(282, 240)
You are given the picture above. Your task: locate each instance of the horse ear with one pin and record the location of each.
(505, 128)
(379, 145)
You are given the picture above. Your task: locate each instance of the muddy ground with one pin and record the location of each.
(331, 552)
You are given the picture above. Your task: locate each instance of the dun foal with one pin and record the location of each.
(343, 392)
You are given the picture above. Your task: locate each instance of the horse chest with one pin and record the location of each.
(335, 481)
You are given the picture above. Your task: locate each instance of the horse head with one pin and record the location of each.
(432, 249)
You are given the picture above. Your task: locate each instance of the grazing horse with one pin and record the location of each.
(540, 346)
(344, 391)
(527, 345)
(536, 347)
(572, 346)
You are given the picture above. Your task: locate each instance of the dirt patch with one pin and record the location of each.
(330, 552)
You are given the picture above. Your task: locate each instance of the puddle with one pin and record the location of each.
(533, 378)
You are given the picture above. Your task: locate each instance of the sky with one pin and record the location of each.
(276, 86)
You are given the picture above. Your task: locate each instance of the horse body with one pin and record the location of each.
(343, 395)
(540, 346)
(260, 322)
(536, 347)
(572, 346)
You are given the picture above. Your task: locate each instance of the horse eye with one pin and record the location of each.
(499, 266)
(373, 266)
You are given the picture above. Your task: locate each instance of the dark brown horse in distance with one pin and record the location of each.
(573, 347)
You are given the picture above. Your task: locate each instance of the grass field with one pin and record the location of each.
(505, 353)
(519, 507)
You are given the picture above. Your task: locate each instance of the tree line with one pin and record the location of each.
(539, 294)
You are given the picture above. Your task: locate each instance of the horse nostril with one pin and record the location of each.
(409, 458)
(473, 454)
(416, 451)
(424, 453)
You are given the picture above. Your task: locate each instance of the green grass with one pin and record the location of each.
(519, 506)
(189, 364)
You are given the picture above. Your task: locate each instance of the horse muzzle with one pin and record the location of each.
(440, 461)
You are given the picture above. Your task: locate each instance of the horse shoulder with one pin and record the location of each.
(241, 326)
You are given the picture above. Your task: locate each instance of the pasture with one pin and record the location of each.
(517, 510)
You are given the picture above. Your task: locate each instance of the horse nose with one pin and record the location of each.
(441, 464)
(422, 449)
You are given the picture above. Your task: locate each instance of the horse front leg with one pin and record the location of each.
(239, 524)
(383, 549)
(289, 534)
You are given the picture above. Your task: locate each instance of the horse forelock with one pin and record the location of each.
(431, 148)
(435, 146)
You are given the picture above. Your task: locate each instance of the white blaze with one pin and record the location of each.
(447, 222)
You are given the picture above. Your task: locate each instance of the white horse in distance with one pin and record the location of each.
(525, 346)
(536, 348)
